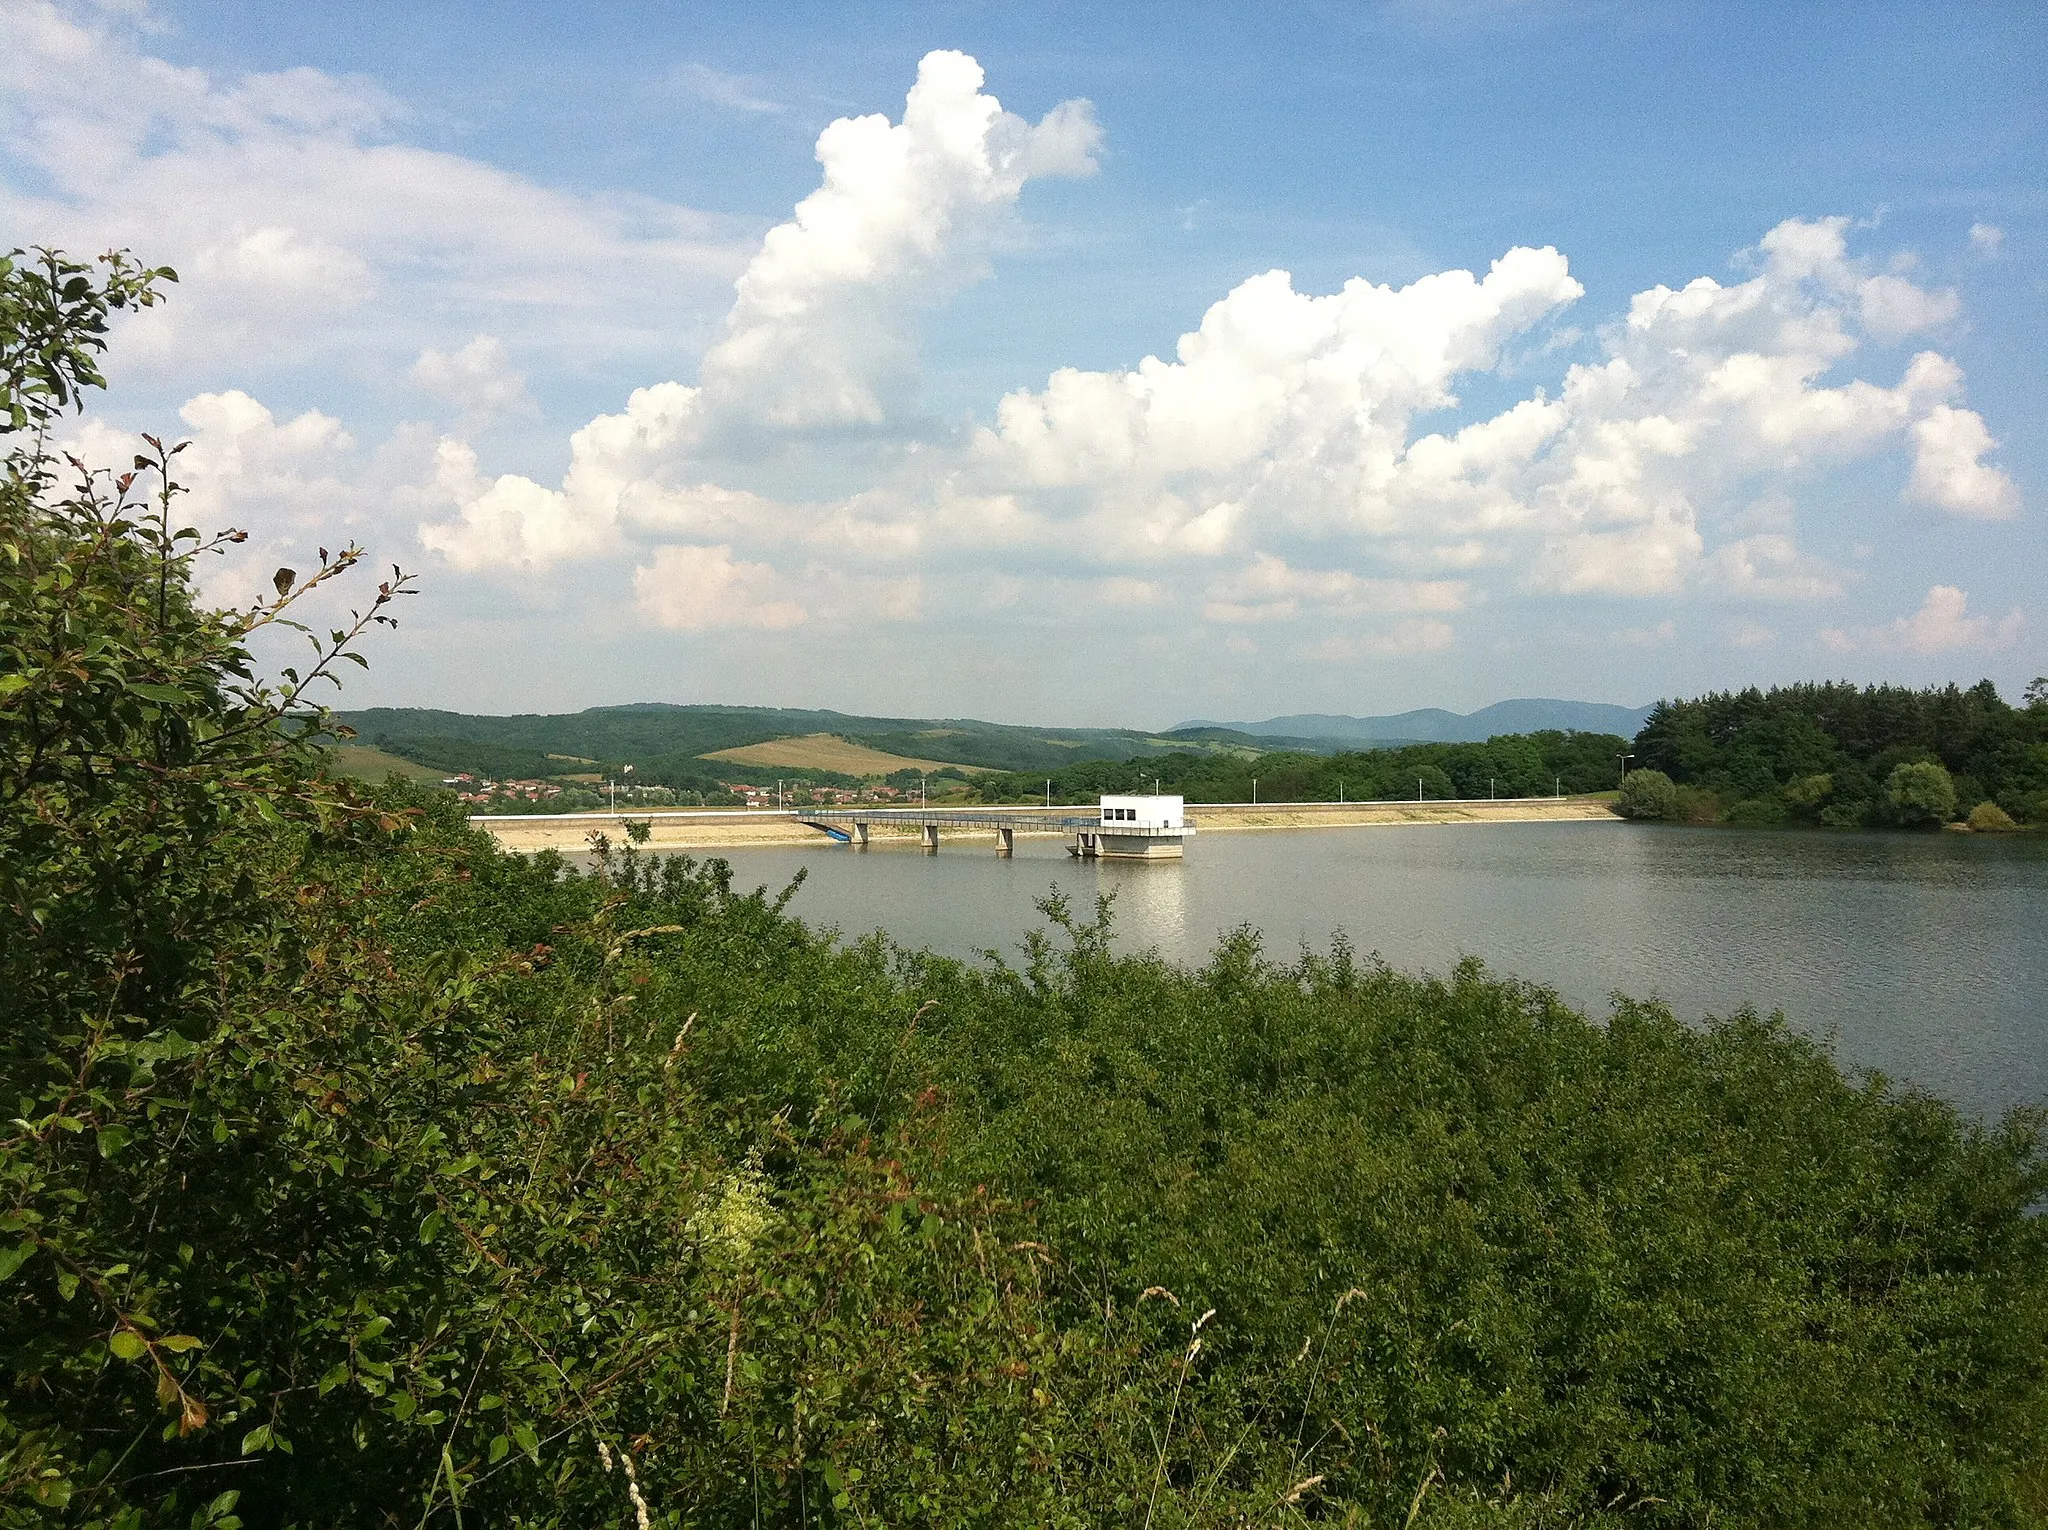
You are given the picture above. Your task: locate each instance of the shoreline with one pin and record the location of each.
(740, 828)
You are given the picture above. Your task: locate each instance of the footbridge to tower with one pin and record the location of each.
(1125, 828)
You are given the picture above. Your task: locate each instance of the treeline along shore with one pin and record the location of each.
(1831, 755)
(356, 1172)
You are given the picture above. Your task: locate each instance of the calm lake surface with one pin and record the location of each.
(1923, 956)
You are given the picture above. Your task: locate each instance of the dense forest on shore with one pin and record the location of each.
(1829, 754)
(1513, 765)
(1848, 757)
(357, 1172)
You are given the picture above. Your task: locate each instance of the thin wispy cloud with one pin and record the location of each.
(735, 92)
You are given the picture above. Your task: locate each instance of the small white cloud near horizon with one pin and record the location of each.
(1269, 590)
(1988, 239)
(1647, 637)
(1943, 624)
(1751, 635)
(1419, 635)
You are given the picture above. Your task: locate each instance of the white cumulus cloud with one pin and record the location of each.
(696, 589)
(822, 333)
(1943, 624)
(1949, 471)
(479, 380)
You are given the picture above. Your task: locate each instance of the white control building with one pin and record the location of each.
(1138, 828)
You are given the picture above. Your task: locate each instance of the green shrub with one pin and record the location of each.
(2025, 807)
(1990, 818)
(1694, 804)
(1846, 813)
(1808, 795)
(1759, 812)
(1648, 794)
(1920, 794)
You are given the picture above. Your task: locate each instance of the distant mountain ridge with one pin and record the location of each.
(1434, 725)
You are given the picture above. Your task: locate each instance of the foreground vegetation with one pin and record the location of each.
(358, 1173)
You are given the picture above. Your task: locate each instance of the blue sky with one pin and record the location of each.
(920, 463)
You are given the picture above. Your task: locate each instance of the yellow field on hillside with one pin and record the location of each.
(828, 751)
(367, 764)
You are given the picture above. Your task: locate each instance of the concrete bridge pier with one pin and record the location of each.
(931, 839)
(1006, 841)
(860, 834)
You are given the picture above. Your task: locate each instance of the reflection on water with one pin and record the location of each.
(1925, 956)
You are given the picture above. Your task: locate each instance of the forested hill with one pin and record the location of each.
(667, 743)
(1827, 753)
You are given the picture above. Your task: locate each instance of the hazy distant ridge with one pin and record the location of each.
(1433, 725)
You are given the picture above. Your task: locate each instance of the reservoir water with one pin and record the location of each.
(1922, 956)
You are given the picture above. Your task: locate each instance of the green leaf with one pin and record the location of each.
(500, 1448)
(112, 1139)
(127, 1344)
(179, 1343)
(170, 695)
(528, 1441)
(256, 1439)
(12, 1259)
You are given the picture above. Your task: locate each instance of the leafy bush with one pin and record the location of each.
(1990, 818)
(1648, 794)
(1920, 794)
(1808, 795)
(1759, 812)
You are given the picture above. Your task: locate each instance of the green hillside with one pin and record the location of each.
(666, 744)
